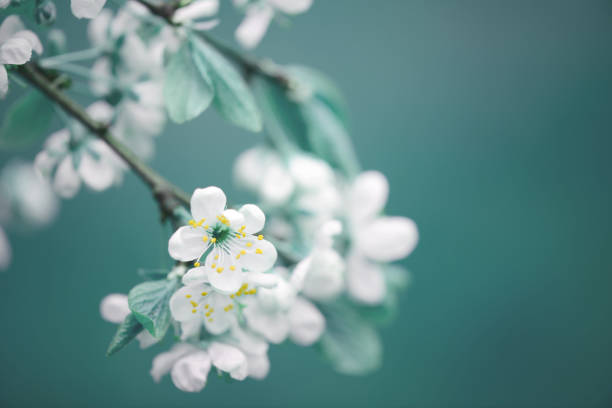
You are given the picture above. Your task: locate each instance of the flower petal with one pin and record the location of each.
(114, 308)
(365, 280)
(86, 8)
(236, 219)
(324, 279)
(185, 300)
(3, 82)
(272, 325)
(260, 279)
(5, 251)
(291, 6)
(146, 339)
(186, 244)
(67, 181)
(388, 239)
(226, 276)
(368, 195)
(96, 174)
(207, 203)
(195, 10)
(254, 26)
(306, 322)
(254, 218)
(258, 365)
(261, 258)
(195, 276)
(226, 358)
(220, 319)
(10, 26)
(15, 51)
(163, 362)
(32, 38)
(190, 372)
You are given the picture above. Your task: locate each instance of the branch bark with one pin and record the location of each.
(167, 195)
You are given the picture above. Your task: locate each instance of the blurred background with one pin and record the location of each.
(492, 121)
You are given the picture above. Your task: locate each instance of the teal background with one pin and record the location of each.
(492, 121)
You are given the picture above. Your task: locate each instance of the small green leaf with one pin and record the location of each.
(26, 121)
(149, 302)
(233, 99)
(352, 345)
(188, 90)
(126, 332)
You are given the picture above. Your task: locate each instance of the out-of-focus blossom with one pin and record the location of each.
(195, 11)
(5, 251)
(16, 46)
(260, 13)
(227, 239)
(86, 8)
(72, 156)
(189, 365)
(26, 196)
(375, 238)
(114, 308)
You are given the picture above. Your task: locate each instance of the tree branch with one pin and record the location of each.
(168, 196)
(249, 64)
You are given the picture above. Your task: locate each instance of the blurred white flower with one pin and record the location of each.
(5, 251)
(114, 308)
(189, 365)
(260, 13)
(227, 239)
(375, 238)
(71, 156)
(277, 313)
(16, 46)
(26, 195)
(86, 8)
(196, 10)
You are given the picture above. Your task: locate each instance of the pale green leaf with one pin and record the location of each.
(351, 344)
(188, 90)
(126, 332)
(233, 99)
(149, 302)
(26, 121)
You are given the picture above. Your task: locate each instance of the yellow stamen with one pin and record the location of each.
(258, 251)
(243, 252)
(206, 306)
(219, 269)
(213, 266)
(213, 240)
(196, 264)
(216, 257)
(194, 304)
(187, 296)
(249, 244)
(232, 268)
(193, 311)
(204, 293)
(260, 237)
(205, 238)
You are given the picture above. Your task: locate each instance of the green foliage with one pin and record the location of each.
(126, 332)
(309, 115)
(188, 90)
(26, 121)
(349, 342)
(149, 302)
(233, 99)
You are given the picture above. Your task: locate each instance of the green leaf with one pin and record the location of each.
(126, 332)
(149, 302)
(351, 344)
(188, 90)
(26, 121)
(233, 99)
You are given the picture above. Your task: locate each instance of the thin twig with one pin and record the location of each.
(168, 196)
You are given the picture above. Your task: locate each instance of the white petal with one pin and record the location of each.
(195, 276)
(186, 244)
(277, 184)
(98, 29)
(86, 8)
(226, 358)
(249, 168)
(32, 38)
(259, 366)
(163, 362)
(10, 26)
(324, 279)
(146, 339)
(101, 70)
(101, 111)
(388, 239)
(309, 172)
(220, 320)
(190, 372)
(236, 219)
(5, 251)
(3, 81)
(365, 280)
(16, 51)
(254, 218)
(306, 322)
(4, 3)
(227, 276)
(260, 279)
(67, 181)
(96, 174)
(254, 26)
(273, 326)
(181, 305)
(190, 329)
(195, 10)
(259, 262)
(207, 203)
(368, 195)
(291, 6)
(114, 308)
(249, 342)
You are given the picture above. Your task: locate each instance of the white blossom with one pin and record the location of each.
(16, 46)
(260, 13)
(5, 251)
(192, 14)
(86, 8)
(375, 238)
(225, 238)
(72, 156)
(114, 309)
